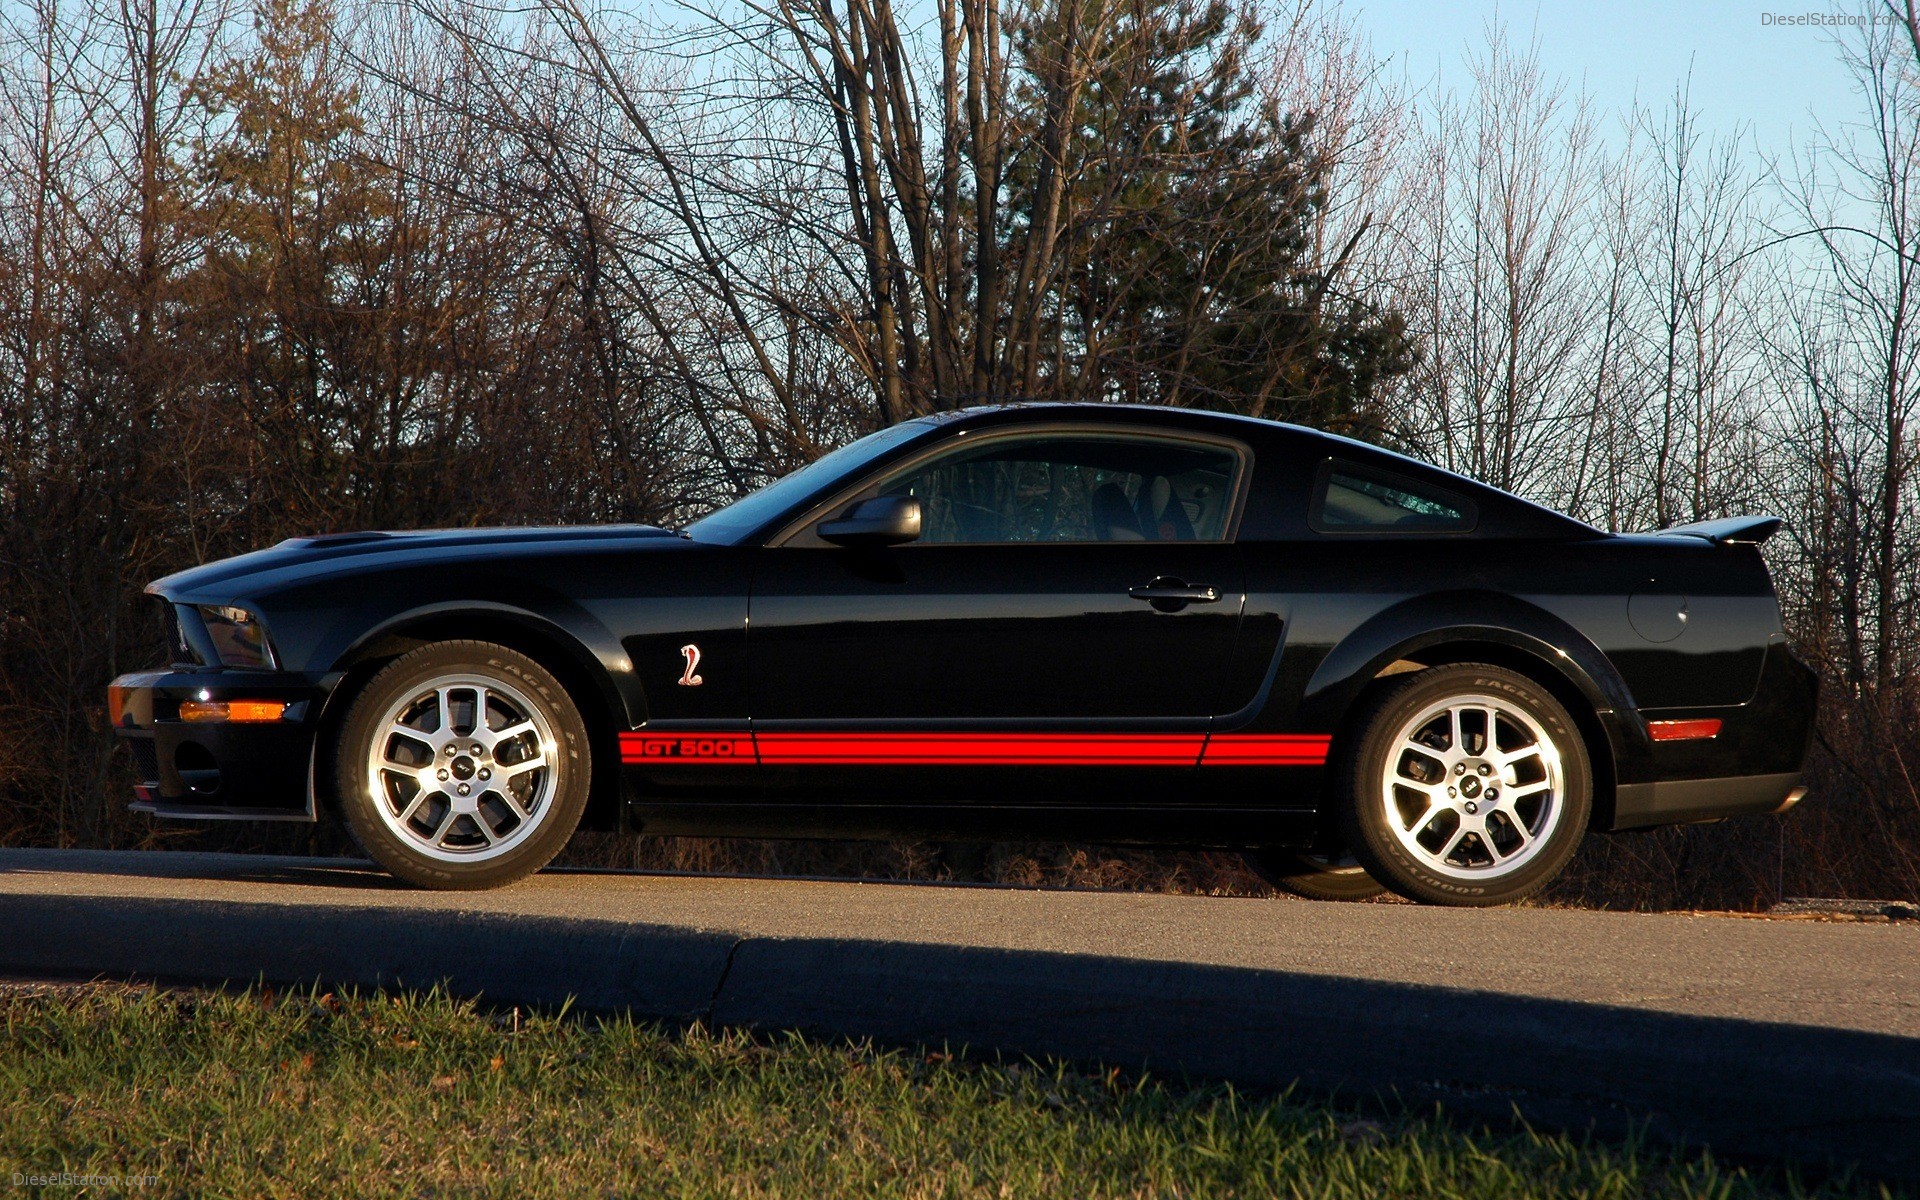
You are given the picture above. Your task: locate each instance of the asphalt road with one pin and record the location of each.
(1796, 1038)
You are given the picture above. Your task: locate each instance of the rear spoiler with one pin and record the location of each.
(1728, 531)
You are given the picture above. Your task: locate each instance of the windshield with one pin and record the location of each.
(741, 518)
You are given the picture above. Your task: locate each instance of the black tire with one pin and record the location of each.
(1528, 722)
(1314, 876)
(520, 817)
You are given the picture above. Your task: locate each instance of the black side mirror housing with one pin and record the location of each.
(881, 521)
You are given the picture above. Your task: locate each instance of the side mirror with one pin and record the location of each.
(881, 521)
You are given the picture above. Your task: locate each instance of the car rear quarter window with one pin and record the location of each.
(1357, 499)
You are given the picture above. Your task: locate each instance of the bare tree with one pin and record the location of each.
(1497, 214)
(1853, 359)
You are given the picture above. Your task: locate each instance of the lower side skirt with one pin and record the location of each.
(222, 812)
(1224, 828)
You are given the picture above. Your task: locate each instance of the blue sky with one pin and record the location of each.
(1768, 77)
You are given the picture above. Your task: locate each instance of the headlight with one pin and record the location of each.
(238, 637)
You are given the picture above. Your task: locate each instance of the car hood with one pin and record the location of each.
(300, 559)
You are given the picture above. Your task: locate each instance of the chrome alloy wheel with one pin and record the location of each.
(1473, 787)
(463, 768)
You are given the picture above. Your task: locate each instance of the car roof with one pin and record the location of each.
(990, 414)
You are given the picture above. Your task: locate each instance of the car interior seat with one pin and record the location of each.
(1113, 516)
(1161, 515)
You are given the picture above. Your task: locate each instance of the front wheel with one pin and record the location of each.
(1467, 785)
(462, 765)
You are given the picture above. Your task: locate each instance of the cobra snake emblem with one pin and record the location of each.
(691, 653)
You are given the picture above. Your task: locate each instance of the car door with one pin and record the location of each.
(1064, 619)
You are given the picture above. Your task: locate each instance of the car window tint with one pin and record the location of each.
(1073, 488)
(1356, 500)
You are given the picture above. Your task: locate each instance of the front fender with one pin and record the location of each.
(588, 644)
(1417, 627)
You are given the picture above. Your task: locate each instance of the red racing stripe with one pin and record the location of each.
(1266, 750)
(983, 749)
(857, 748)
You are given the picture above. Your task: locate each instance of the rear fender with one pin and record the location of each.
(1425, 628)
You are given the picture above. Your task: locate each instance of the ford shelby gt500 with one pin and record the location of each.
(1114, 624)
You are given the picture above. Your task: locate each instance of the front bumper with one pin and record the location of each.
(255, 770)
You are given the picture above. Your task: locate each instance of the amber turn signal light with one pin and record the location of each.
(232, 710)
(1684, 731)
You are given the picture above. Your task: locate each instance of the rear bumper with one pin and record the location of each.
(1685, 801)
(255, 771)
(1752, 765)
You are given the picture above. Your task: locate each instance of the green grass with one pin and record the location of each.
(254, 1094)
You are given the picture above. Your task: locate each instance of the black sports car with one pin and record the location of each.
(1094, 622)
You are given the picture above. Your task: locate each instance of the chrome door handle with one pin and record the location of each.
(1165, 590)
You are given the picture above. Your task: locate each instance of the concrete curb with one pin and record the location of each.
(1810, 1094)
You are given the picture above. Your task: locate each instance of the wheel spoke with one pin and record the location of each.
(1521, 791)
(1507, 758)
(413, 805)
(1453, 843)
(515, 770)
(508, 798)
(446, 823)
(1426, 752)
(493, 738)
(1520, 831)
(398, 729)
(1437, 803)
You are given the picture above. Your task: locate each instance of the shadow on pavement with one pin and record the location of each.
(1810, 1094)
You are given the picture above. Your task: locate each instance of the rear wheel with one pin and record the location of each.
(1314, 876)
(462, 765)
(1468, 785)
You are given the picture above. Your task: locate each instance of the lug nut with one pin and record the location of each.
(464, 789)
(448, 752)
(443, 772)
(1485, 769)
(1492, 793)
(486, 774)
(1453, 791)
(1459, 768)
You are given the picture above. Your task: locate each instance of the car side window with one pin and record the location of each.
(1355, 499)
(1073, 487)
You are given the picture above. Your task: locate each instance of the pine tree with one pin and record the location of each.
(1188, 274)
